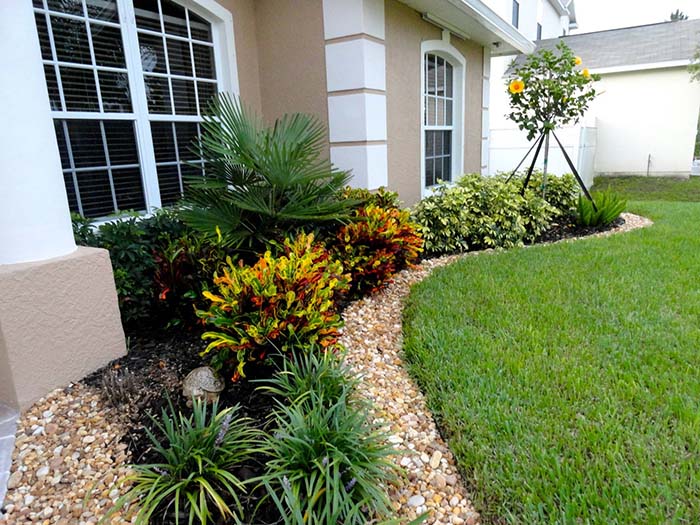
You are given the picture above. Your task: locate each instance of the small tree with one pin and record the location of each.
(550, 90)
(678, 15)
(695, 65)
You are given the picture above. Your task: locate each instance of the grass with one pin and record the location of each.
(652, 188)
(567, 377)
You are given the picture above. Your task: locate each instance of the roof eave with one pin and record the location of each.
(474, 20)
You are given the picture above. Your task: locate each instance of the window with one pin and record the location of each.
(516, 13)
(438, 119)
(127, 94)
(539, 31)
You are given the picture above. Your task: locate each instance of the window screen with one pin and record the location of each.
(100, 111)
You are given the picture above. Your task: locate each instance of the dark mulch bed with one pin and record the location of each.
(570, 230)
(150, 377)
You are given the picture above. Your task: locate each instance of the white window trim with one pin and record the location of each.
(226, 70)
(444, 49)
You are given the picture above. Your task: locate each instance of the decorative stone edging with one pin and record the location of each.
(68, 457)
(373, 337)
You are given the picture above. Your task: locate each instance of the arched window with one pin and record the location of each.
(128, 82)
(442, 105)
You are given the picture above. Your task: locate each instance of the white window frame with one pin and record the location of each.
(223, 43)
(444, 49)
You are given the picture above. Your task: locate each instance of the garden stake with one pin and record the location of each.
(532, 165)
(546, 162)
(573, 169)
(523, 159)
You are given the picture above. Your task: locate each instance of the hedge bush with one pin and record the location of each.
(481, 212)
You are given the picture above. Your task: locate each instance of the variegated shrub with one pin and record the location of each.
(378, 243)
(285, 303)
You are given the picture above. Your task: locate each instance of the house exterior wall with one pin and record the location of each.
(280, 56)
(405, 30)
(247, 60)
(642, 113)
(291, 58)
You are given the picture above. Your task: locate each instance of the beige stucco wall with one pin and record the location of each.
(280, 54)
(405, 30)
(291, 52)
(59, 321)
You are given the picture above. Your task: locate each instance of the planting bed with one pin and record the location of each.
(73, 446)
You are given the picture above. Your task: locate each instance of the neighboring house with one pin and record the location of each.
(100, 100)
(644, 121)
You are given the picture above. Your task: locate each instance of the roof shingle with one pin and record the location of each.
(662, 42)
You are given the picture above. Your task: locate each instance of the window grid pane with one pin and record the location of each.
(86, 71)
(175, 160)
(438, 119)
(438, 156)
(101, 166)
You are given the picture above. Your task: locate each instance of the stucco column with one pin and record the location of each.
(356, 84)
(59, 315)
(34, 216)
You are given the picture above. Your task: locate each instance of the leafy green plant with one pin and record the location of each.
(184, 267)
(131, 252)
(560, 191)
(83, 230)
(318, 371)
(610, 205)
(195, 482)
(481, 212)
(285, 303)
(382, 197)
(327, 463)
(377, 243)
(262, 183)
(548, 91)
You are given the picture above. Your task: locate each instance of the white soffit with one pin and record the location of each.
(477, 22)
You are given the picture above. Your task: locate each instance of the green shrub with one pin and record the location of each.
(195, 481)
(285, 303)
(560, 191)
(131, 252)
(382, 197)
(481, 212)
(184, 267)
(263, 183)
(610, 205)
(377, 243)
(327, 463)
(83, 230)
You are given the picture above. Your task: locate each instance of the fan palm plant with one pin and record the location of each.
(262, 183)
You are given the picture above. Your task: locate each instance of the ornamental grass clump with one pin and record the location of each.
(609, 207)
(327, 463)
(284, 303)
(377, 243)
(195, 481)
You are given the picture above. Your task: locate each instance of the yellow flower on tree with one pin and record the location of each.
(578, 61)
(516, 86)
(586, 73)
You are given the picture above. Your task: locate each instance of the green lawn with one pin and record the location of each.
(567, 377)
(652, 188)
